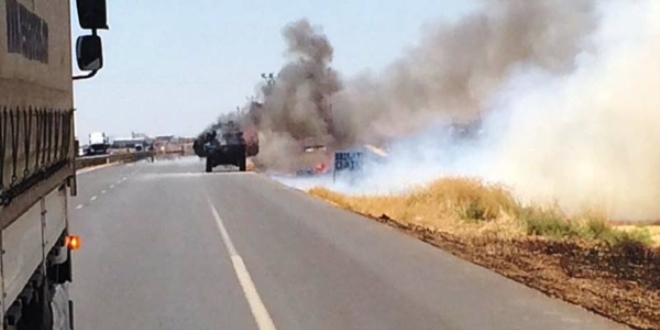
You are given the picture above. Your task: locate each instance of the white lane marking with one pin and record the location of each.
(112, 186)
(123, 179)
(103, 192)
(259, 311)
(119, 182)
(79, 207)
(93, 198)
(223, 231)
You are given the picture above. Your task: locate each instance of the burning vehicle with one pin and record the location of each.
(319, 160)
(315, 159)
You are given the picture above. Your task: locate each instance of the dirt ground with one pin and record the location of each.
(622, 284)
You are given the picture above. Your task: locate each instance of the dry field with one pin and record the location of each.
(585, 259)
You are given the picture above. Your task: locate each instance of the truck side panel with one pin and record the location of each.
(36, 98)
(27, 80)
(56, 217)
(22, 242)
(37, 149)
(23, 252)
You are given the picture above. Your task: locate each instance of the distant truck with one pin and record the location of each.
(98, 144)
(225, 145)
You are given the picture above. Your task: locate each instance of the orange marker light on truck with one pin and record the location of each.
(73, 242)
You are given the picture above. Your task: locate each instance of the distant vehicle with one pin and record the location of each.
(98, 143)
(83, 150)
(224, 145)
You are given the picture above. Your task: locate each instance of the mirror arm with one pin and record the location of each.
(90, 75)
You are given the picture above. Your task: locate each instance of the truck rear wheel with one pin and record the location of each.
(209, 167)
(242, 164)
(37, 314)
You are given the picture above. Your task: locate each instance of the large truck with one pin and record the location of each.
(37, 155)
(99, 143)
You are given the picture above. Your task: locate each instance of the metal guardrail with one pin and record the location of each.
(89, 161)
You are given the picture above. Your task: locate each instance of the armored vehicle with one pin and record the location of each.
(222, 145)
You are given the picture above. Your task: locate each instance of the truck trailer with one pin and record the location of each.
(38, 153)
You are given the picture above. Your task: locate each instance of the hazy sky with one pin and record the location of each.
(171, 66)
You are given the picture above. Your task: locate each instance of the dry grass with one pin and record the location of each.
(447, 197)
(472, 207)
(653, 231)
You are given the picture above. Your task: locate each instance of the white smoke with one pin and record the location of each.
(568, 91)
(590, 137)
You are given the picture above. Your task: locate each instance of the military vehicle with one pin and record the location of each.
(224, 145)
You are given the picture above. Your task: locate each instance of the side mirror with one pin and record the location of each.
(89, 53)
(92, 14)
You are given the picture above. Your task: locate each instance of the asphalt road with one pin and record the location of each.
(166, 246)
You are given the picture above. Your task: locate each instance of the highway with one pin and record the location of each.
(166, 246)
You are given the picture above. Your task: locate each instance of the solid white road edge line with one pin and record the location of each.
(259, 311)
(94, 168)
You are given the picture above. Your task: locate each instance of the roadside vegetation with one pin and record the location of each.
(583, 258)
(471, 207)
